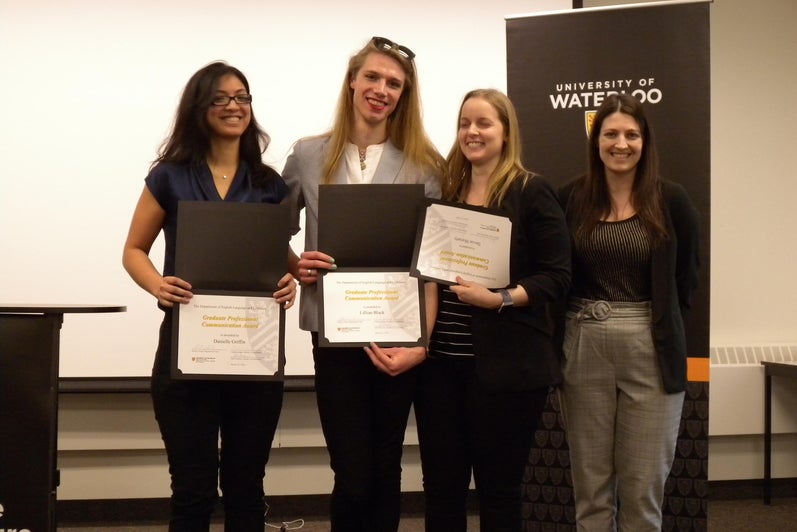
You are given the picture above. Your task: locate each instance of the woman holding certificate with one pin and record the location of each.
(377, 137)
(212, 154)
(492, 358)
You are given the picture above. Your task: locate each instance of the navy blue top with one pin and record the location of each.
(169, 183)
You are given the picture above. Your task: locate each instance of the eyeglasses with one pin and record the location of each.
(386, 44)
(240, 99)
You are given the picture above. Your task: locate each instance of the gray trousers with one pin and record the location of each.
(622, 426)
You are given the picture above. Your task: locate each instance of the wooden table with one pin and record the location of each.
(772, 369)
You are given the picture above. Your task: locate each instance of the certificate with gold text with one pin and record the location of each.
(363, 305)
(461, 240)
(228, 335)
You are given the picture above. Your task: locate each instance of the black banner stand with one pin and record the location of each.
(29, 350)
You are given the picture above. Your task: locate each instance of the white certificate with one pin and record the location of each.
(458, 240)
(359, 306)
(225, 336)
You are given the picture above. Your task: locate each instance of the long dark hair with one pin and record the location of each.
(189, 140)
(590, 201)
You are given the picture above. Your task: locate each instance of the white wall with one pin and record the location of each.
(754, 184)
(109, 447)
(753, 187)
(90, 88)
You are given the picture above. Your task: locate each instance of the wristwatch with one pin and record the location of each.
(506, 297)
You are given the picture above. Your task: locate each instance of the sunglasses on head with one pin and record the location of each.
(383, 43)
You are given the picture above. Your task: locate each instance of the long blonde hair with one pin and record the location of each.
(509, 168)
(404, 126)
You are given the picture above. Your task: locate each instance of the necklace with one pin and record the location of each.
(361, 153)
(214, 171)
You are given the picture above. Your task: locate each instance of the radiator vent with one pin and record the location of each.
(753, 355)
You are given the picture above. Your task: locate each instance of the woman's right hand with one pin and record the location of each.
(173, 290)
(309, 263)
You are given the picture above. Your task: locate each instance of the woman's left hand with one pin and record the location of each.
(476, 294)
(395, 360)
(287, 291)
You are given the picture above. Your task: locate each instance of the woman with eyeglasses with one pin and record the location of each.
(635, 266)
(212, 154)
(492, 357)
(363, 402)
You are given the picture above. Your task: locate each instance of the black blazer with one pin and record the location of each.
(674, 276)
(514, 349)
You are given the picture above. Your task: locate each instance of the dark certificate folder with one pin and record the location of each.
(232, 246)
(239, 251)
(367, 226)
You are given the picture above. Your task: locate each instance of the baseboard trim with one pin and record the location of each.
(728, 490)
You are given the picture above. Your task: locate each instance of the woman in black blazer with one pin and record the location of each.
(635, 265)
(491, 358)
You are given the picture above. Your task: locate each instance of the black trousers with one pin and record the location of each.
(192, 414)
(463, 429)
(363, 416)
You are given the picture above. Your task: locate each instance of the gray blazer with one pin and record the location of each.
(302, 173)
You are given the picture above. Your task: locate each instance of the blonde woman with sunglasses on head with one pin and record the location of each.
(364, 397)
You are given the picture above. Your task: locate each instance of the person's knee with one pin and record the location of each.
(243, 488)
(353, 496)
(193, 499)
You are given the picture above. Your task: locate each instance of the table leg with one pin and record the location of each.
(767, 438)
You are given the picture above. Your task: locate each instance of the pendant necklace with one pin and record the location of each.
(214, 172)
(361, 153)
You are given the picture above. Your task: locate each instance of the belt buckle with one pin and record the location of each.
(600, 310)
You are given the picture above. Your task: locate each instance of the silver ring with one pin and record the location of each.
(310, 271)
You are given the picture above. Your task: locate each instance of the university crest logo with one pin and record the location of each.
(589, 118)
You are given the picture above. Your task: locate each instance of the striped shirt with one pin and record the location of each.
(613, 262)
(452, 336)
